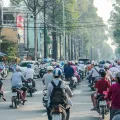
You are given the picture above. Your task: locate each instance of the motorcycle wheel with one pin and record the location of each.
(103, 113)
(15, 103)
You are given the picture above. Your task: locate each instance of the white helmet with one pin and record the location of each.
(49, 68)
(18, 68)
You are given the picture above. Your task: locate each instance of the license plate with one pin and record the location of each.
(113, 83)
(30, 84)
(14, 94)
(103, 103)
(56, 117)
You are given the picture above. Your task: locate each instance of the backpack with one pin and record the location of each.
(58, 95)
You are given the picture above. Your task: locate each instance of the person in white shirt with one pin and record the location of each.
(114, 70)
(94, 72)
(48, 77)
(29, 74)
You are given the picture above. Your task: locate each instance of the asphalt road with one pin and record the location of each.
(34, 110)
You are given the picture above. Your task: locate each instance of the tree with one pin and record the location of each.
(115, 26)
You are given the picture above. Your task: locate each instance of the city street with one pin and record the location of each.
(34, 110)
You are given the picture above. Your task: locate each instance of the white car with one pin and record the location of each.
(34, 64)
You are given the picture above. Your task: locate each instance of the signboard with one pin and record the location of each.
(20, 28)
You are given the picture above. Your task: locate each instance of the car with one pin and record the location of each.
(35, 66)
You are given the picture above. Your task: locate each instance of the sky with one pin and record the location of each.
(6, 2)
(104, 8)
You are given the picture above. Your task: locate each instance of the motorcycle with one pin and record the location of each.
(45, 100)
(30, 87)
(42, 72)
(81, 74)
(16, 97)
(72, 82)
(102, 106)
(58, 112)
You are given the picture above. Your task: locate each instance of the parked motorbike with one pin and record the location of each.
(58, 112)
(102, 106)
(16, 97)
(45, 100)
(42, 72)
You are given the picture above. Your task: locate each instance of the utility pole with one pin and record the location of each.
(27, 34)
(45, 33)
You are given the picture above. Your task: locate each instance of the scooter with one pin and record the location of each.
(42, 72)
(102, 106)
(73, 82)
(16, 97)
(58, 112)
(30, 87)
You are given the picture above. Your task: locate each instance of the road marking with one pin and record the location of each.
(38, 92)
(44, 114)
(77, 92)
(5, 92)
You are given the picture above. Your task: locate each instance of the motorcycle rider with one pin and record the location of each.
(57, 78)
(114, 96)
(68, 71)
(108, 73)
(114, 70)
(16, 81)
(101, 86)
(48, 77)
(94, 73)
(29, 73)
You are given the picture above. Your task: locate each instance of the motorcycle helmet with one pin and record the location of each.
(102, 72)
(106, 67)
(49, 68)
(18, 68)
(28, 66)
(57, 72)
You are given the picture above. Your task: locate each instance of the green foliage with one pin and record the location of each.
(114, 20)
(11, 53)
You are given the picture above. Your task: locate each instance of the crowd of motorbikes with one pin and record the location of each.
(103, 106)
(58, 112)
